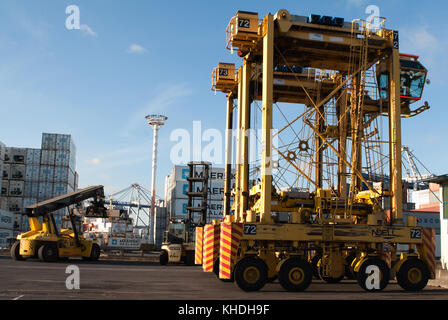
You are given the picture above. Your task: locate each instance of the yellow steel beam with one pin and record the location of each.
(228, 160)
(266, 139)
(238, 149)
(395, 134)
(245, 126)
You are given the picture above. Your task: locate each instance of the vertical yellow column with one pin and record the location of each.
(395, 134)
(245, 123)
(268, 88)
(238, 148)
(228, 160)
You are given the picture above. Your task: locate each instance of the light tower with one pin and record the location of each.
(155, 121)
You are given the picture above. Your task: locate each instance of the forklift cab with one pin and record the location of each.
(179, 232)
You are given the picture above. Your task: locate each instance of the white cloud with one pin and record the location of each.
(136, 49)
(94, 161)
(88, 31)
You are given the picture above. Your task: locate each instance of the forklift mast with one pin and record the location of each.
(197, 195)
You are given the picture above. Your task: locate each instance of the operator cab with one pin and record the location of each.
(412, 79)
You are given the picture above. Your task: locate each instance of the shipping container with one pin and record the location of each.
(49, 141)
(4, 203)
(65, 142)
(5, 188)
(65, 158)
(16, 188)
(6, 219)
(32, 173)
(64, 175)
(15, 155)
(18, 172)
(45, 191)
(47, 157)
(6, 171)
(31, 189)
(215, 190)
(15, 204)
(6, 238)
(179, 209)
(46, 173)
(60, 189)
(33, 156)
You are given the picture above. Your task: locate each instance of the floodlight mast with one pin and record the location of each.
(155, 121)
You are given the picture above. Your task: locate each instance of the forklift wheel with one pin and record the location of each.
(15, 251)
(295, 275)
(163, 258)
(189, 258)
(384, 274)
(95, 252)
(251, 274)
(48, 253)
(413, 275)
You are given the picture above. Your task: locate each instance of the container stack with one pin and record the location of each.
(177, 188)
(13, 183)
(57, 170)
(6, 228)
(161, 224)
(28, 176)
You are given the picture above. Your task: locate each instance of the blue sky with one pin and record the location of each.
(140, 57)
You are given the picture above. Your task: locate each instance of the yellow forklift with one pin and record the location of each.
(46, 242)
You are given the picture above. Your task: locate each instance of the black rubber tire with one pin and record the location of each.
(348, 269)
(384, 274)
(95, 252)
(48, 253)
(189, 258)
(15, 252)
(163, 258)
(251, 274)
(299, 267)
(314, 267)
(413, 268)
(216, 272)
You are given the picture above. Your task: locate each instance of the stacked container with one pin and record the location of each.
(13, 182)
(57, 169)
(6, 228)
(176, 189)
(28, 176)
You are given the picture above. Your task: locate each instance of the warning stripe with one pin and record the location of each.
(211, 246)
(231, 234)
(198, 245)
(429, 251)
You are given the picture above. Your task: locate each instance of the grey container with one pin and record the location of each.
(32, 173)
(47, 157)
(16, 188)
(15, 204)
(46, 173)
(49, 141)
(5, 188)
(33, 157)
(6, 171)
(45, 191)
(18, 172)
(15, 155)
(31, 190)
(64, 175)
(65, 158)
